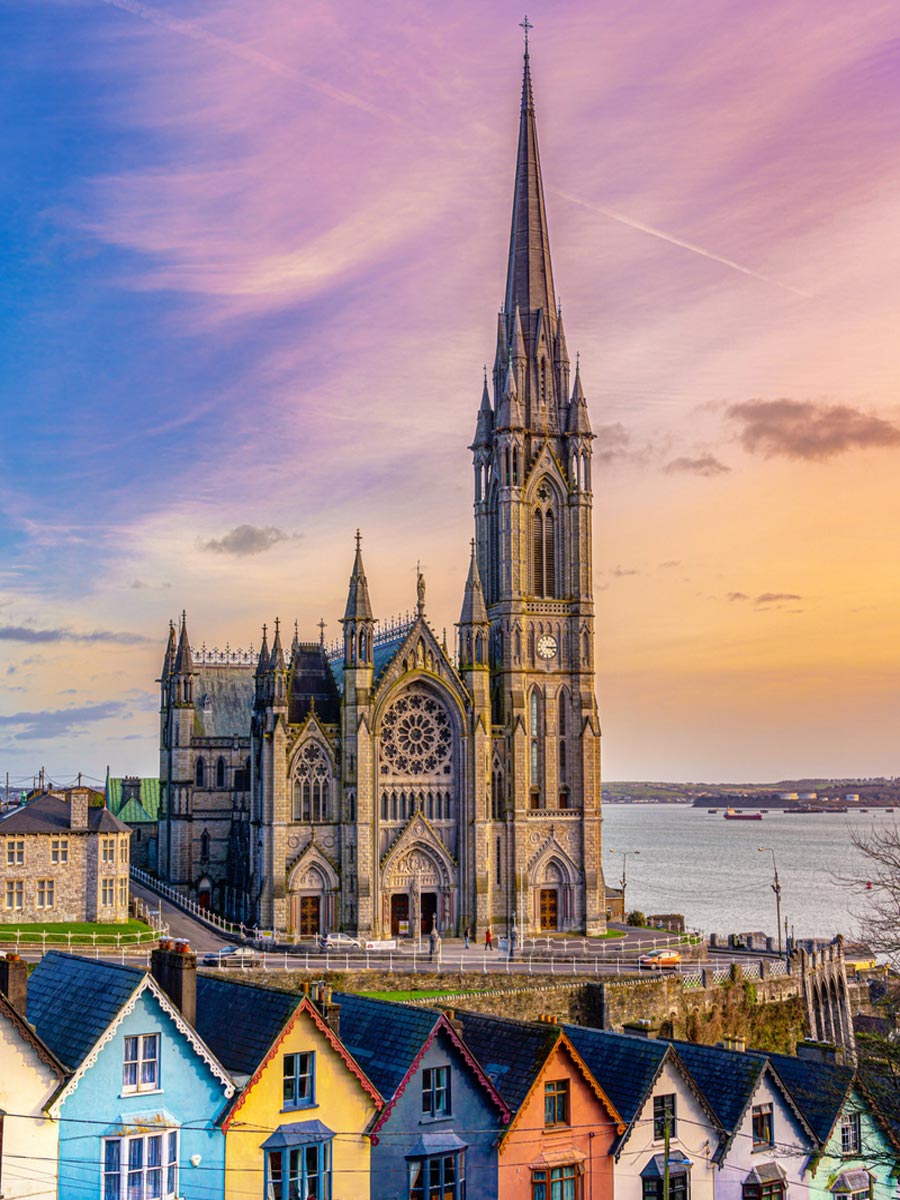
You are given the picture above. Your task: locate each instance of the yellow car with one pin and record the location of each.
(657, 959)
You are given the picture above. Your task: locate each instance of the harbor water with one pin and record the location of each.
(711, 870)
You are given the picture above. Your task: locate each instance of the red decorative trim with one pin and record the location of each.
(305, 1006)
(472, 1063)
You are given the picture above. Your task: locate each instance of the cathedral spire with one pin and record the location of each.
(169, 660)
(358, 606)
(529, 279)
(484, 425)
(276, 662)
(184, 662)
(579, 422)
(473, 609)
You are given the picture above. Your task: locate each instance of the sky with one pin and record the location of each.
(252, 259)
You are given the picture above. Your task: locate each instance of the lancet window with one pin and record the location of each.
(543, 545)
(312, 784)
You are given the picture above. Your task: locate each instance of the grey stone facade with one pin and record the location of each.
(389, 785)
(63, 860)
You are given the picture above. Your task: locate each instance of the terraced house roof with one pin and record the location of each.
(72, 1001)
(239, 1021)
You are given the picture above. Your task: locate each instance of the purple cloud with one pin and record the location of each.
(803, 430)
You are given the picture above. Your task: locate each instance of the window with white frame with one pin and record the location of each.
(46, 893)
(299, 1171)
(15, 852)
(436, 1092)
(141, 1168)
(140, 1071)
(107, 893)
(851, 1133)
(59, 850)
(15, 894)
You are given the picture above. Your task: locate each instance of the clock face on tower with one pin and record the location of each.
(547, 646)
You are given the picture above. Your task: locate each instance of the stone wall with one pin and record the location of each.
(767, 1014)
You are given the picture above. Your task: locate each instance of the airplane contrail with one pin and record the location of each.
(236, 50)
(675, 241)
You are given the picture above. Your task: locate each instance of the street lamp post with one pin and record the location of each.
(776, 888)
(624, 880)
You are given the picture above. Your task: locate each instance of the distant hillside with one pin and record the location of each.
(875, 792)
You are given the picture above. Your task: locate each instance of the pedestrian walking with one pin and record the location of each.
(488, 939)
(468, 935)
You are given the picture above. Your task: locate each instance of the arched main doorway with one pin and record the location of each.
(312, 901)
(418, 894)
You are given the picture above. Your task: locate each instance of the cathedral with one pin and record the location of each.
(388, 786)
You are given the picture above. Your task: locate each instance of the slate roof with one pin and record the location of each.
(15, 1018)
(72, 1000)
(727, 1078)
(625, 1066)
(223, 701)
(137, 809)
(382, 657)
(818, 1089)
(239, 1022)
(49, 814)
(384, 1037)
(511, 1053)
(313, 686)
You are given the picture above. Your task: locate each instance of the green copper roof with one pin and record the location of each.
(133, 810)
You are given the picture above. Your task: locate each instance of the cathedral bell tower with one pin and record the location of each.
(533, 502)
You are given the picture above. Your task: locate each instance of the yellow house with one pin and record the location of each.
(297, 1127)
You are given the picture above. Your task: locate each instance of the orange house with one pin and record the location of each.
(558, 1145)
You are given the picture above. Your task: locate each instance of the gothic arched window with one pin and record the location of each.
(204, 846)
(534, 748)
(312, 780)
(220, 773)
(497, 797)
(543, 545)
(200, 775)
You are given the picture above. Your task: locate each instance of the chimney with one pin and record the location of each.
(823, 1052)
(734, 1042)
(329, 1009)
(14, 980)
(642, 1028)
(453, 1021)
(78, 808)
(175, 970)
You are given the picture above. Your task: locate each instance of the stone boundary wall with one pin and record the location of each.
(767, 1014)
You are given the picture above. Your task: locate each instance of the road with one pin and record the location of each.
(181, 925)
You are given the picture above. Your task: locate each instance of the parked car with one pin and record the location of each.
(656, 960)
(231, 956)
(339, 941)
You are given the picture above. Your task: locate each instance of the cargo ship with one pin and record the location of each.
(733, 815)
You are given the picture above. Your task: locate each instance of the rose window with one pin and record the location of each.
(416, 738)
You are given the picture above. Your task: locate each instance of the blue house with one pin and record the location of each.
(436, 1134)
(138, 1111)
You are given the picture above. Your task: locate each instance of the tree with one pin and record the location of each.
(636, 917)
(879, 886)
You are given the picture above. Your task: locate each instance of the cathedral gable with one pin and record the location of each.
(546, 463)
(420, 651)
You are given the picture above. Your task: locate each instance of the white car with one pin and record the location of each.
(339, 941)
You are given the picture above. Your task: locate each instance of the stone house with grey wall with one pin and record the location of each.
(61, 859)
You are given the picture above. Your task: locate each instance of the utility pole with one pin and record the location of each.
(776, 888)
(666, 1143)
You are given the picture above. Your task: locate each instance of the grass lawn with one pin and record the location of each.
(59, 930)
